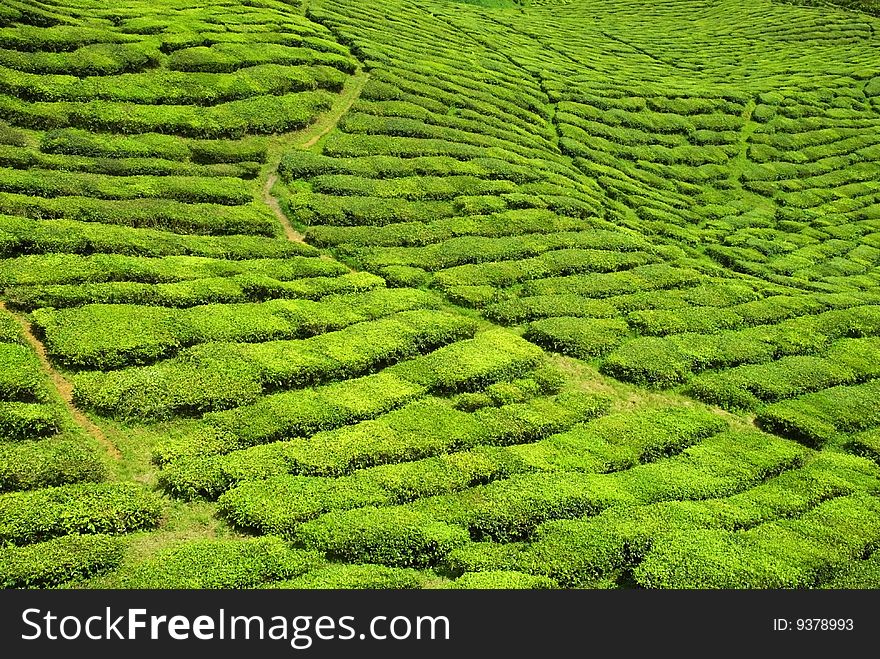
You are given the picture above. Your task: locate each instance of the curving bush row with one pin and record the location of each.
(34, 182)
(220, 563)
(209, 290)
(357, 577)
(610, 443)
(820, 417)
(56, 561)
(37, 515)
(110, 336)
(42, 269)
(22, 236)
(163, 214)
(215, 376)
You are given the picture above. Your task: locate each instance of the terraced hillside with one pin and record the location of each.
(439, 294)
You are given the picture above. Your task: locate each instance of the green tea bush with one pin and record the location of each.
(164, 214)
(471, 365)
(10, 330)
(579, 337)
(575, 552)
(226, 57)
(511, 509)
(863, 574)
(649, 277)
(25, 236)
(108, 336)
(28, 420)
(693, 319)
(517, 310)
(56, 561)
(262, 115)
(359, 577)
(724, 349)
(28, 465)
(621, 440)
(95, 268)
(295, 499)
(27, 517)
(422, 429)
(503, 580)
(563, 261)
(221, 564)
(21, 377)
(363, 536)
(77, 142)
(648, 361)
(226, 191)
(743, 386)
(867, 444)
(96, 59)
(304, 412)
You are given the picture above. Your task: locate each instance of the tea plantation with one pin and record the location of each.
(439, 294)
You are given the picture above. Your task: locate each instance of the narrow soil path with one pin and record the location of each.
(309, 137)
(64, 387)
(290, 233)
(304, 140)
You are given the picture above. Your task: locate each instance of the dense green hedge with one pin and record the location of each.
(21, 377)
(862, 575)
(26, 236)
(511, 509)
(172, 87)
(648, 277)
(77, 142)
(745, 386)
(503, 580)
(610, 443)
(562, 253)
(224, 563)
(27, 465)
(24, 158)
(295, 499)
(621, 440)
(517, 310)
(42, 269)
(27, 517)
(414, 233)
(867, 444)
(28, 420)
(359, 577)
(164, 214)
(579, 337)
(471, 365)
(263, 114)
(226, 191)
(817, 418)
(209, 290)
(56, 561)
(389, 536)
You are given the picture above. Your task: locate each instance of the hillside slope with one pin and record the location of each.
(439, 294)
